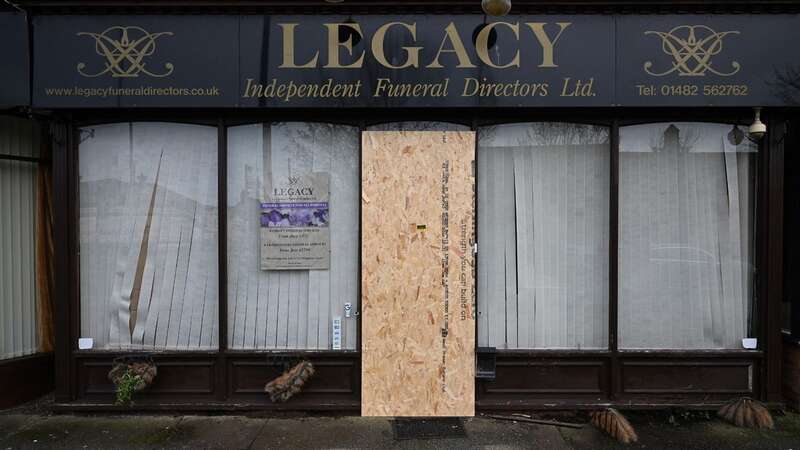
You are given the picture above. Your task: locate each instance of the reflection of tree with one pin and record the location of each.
(293, 148)
(675, 139)
(787, 85)
(543, 134)
(418, 126)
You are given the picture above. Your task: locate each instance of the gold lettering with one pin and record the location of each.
(334, 44)
(288, 49)
(545, 41)
(378, 42)
(451, 34)
(482, 45)
(252, 90)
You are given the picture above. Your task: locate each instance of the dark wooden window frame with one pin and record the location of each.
(792, 334)
(617, 377)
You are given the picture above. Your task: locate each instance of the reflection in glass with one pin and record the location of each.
(543, 233)
(148, 236)
(418, 126)
(685, 236)
(291, 309)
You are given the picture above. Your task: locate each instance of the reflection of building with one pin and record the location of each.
(629, 238)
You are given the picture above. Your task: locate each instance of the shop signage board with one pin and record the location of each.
(398, 61)
(135, 61)
(418, 295)
(715, 60)
(14, 73)
(295, 218)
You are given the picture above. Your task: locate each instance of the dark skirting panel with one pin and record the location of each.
(25, 378)
(524, 381)
(641, 380)
(190, 381)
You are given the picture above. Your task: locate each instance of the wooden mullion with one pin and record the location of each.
(615, 385)
(221, 380)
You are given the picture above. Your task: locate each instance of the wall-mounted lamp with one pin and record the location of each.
(496, 7)
(757, 130)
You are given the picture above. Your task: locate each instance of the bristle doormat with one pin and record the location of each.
(428, 428)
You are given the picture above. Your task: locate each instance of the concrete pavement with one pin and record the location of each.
(656, 430)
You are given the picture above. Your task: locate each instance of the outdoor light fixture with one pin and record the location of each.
(757, 129)
(496, 7)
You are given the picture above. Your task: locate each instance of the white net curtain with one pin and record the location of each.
(148, 236)
(543, 209)
(685, 236)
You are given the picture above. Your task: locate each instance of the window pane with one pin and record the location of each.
(686, 209)
(543, 218)
(18, 207)
(148, 236)
(291, 309)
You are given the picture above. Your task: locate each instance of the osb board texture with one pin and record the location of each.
(418, 304)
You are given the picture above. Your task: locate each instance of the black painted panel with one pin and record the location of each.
(14, 66)
(337, 61)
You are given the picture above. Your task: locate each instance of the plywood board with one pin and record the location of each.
(418, 320)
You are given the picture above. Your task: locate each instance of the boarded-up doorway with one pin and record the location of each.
(418, 322)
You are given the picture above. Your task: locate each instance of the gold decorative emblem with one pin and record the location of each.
(691, 47)
(125, 49)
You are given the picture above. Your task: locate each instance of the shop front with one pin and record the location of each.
(444, 212)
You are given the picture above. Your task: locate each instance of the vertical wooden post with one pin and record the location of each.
(615, 379)
(221, 380)
(771, 292)
(63, 221)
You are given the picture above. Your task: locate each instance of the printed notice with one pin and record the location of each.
(294, 222)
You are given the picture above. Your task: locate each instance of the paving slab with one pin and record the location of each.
(376, 433)
(13, 423)
(223, 432)
(664, 431)
(57, 432)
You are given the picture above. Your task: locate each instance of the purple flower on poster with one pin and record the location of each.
(321, 217)
(274, 218)
(294, 215)
(300, 218)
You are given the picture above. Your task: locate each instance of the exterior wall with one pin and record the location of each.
(791, 374)
(230, 380)
(25, 378)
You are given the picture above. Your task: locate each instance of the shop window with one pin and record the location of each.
(270, 307)
(20, 222)
(148, 236)
(543, 236)
(686, 223)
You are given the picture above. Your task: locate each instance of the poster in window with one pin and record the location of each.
(294, 222)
